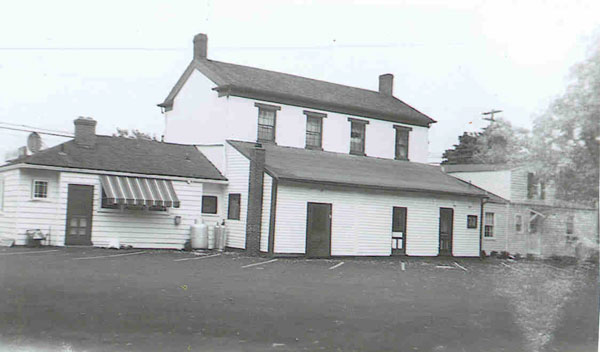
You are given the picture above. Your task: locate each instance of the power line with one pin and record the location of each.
(34, 127)
(38, 131)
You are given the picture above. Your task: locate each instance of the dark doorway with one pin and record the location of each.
(318, 230)
(399, 230)
(79, 215)
(446, 228)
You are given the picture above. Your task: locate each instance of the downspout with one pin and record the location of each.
(483, 201)
(508, 229)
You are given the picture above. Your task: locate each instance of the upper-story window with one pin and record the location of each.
(39, 189)
(314, 129)
(535, 187)
(267, 117)
(401, 152)
(357, 136)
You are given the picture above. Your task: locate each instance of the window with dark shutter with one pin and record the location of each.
(233, 209)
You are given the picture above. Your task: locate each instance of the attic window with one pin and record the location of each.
(267, 116)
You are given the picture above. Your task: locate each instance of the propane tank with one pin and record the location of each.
(218, 236)
(211, 237)
(199, 236)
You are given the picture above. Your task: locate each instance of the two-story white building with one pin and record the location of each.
(526, 218)
(318, 169)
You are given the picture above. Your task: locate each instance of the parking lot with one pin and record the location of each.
(87, 299)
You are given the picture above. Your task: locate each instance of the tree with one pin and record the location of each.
(137, 134)
(565, 147)
(498, 143)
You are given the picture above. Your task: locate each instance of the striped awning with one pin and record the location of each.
(138, 191)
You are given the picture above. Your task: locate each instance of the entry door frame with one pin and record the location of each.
(308, 205)
(87, 240)
(451, 240)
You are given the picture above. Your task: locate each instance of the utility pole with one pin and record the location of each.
(491, 113)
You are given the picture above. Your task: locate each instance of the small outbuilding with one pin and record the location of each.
(100, 190)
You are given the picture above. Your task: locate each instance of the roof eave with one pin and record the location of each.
(253, 93)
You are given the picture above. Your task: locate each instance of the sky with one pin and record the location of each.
(452, 60)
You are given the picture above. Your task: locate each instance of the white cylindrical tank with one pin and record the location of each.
(217, 236)
(211, 236)
(199, 236)
(223, 238)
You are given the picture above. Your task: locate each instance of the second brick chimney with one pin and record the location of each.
(200, 46)
(386, 84)
(85, 131)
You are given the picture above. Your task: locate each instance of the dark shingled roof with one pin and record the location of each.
(255, 83)
(128, 155)
(297, 164)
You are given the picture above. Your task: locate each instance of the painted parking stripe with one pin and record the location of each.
(32, 252)
(261, 263)
(336, 266)
(195, 258)
(109, 256)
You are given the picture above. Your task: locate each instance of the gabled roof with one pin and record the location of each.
(477, 167)
(283, 88)
(121, 154)
(297, 164)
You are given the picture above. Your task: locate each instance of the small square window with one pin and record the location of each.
(40, 189)
(471, 221)
(233, 211)
(209, 204)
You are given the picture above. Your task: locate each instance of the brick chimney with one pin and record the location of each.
(255, 200)
(200, 46)
(386, 84)
(85, 131)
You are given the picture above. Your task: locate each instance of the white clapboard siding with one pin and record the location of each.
(266, 213)
(140, 229)
(362, 220)
(43, 214)
(10, 208)
(502, 222)
(238, 173)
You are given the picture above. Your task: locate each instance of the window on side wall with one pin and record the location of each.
(234, 206)
(518, 223)
(570, 224)
(357, 136)
(488, 230)
(314, 130)
(401, 150)
(106, 203)
(267, 117)
(209, 204)
(471, 221)
(39, 189)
